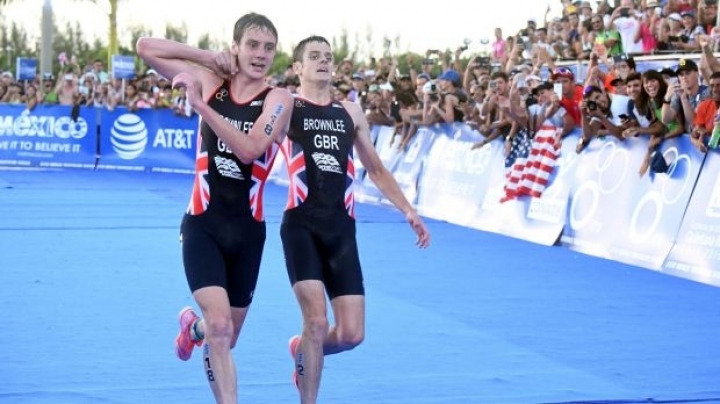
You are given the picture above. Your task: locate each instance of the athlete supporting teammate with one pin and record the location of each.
(223, 231)
(318, 227)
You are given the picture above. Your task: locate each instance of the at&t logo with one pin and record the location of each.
(129, 136)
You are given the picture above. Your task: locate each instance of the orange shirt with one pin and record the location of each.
(572, 106)
(705, 114)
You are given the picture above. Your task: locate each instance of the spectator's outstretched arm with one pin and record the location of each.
(707, 59)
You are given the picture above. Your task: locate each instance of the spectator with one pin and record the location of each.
(706, 116)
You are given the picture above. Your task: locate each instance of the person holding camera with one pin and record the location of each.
(687, 91)
(495, 124)
(443, 104)
(625, 19)
(689, 34)
(602, 115)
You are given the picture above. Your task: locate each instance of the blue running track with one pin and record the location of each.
(91, 283)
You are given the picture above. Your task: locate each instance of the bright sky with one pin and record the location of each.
(438, 25)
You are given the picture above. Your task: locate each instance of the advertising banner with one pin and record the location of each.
(410, 160)
(123, 67)
(696, 253)
(455, 178)
(47, 136)
(25, 69)
(386, 146)
(615, 213)
(147, 140)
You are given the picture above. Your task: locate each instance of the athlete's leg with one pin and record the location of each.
(217, 326)
(197, 329)
(309, 357)
(238, 315)
(349, 328)
(344, 284)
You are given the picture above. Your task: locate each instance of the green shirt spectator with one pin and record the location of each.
(611, 40)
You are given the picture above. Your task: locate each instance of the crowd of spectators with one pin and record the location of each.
(91, 86)
(512, 90)
(523, 85)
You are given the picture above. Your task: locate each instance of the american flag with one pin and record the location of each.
(530, 163)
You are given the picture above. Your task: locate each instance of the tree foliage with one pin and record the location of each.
(71, 39)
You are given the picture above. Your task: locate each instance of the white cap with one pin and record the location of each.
(386, 86)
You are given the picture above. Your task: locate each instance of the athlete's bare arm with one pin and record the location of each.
(270, 127)
(170, 58)
(380, 176)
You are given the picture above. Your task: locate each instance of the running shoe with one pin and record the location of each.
(293, 344)
(184, 343)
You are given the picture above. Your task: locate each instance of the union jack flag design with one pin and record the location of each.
(260, 173)
(297, 174)
(349, 186)
(200, 196)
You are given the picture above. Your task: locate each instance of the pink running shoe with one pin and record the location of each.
(293, 344)
(184, 343)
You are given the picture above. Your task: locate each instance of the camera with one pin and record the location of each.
(624, 12)
(591, 105)
(430, 88)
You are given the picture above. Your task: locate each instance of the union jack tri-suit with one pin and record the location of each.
(223, 230)
(318, 227)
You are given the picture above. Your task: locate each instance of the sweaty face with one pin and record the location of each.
(317, 62)
(256, 52)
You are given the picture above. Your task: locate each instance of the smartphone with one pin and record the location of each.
(428, 62)
(673, 81)
(492, 85)
(395, 111)
(557, 88)
(624, 12)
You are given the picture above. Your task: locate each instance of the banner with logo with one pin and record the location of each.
(616, 214)
(386, 146)
(123, 67)
(537, 214)
(25, 69)
(696, 253)
(147, 140)
(359, 168)
(455, 177)
(47, 136)
(410, 160)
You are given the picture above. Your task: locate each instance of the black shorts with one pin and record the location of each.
(225, 252)
(324, 250)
